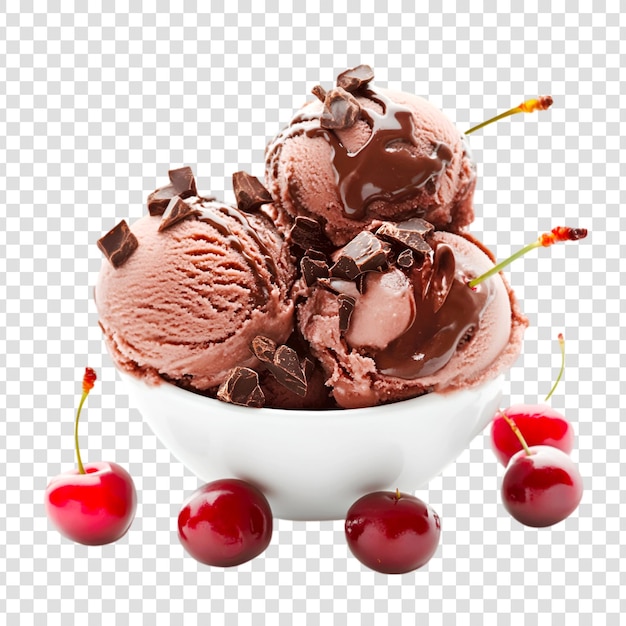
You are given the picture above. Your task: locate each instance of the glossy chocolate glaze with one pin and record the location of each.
(447, 312)
(360, 176)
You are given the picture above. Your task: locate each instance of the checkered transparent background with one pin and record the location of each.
(97, 106)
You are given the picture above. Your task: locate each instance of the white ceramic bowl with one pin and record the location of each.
(312, 465)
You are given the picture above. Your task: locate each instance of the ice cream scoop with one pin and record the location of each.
(351, 157)
(201, 281)
(385, 329)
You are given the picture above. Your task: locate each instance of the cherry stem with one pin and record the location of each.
(500, 266)
(558, 233)
(529, 106)
(558, 379)
(517, 432)
(88, 381)
(397, 493)
(81, 469)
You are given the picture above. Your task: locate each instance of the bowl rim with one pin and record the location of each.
(432, 398)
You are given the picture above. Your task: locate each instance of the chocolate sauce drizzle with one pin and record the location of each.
(447, 311)
(386, 167)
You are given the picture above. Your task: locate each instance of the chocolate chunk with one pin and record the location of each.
(355, 78)
(242, 388)
(118, 244)
(263, 348)
(365, 253)
(287, 370)
(307, 233)
(409, 234)
(405, 259)
(282, 362)
(177, 210)
(160, 198)
(346, 306)
(249, 192)
(319, 92)
(341, 110)
(313, 270)
(184, 182)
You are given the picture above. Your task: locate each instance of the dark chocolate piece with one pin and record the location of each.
(249, 192)
(313, 270)
(118, 244)
(177, 210)
(287, 370)
(184, 182)
(242, 388)
(307, 233)
(346, 306)
(355, 78)
(160, 198)
(319, 92)
(341, 110)
(365, 253)
(282, 362)
(408, 234)
(405, 259)
(263, 348)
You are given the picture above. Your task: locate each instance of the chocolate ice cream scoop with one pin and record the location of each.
(203, 280)
(371, 154)
(413, 328)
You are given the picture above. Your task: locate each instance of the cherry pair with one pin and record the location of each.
(542, 485)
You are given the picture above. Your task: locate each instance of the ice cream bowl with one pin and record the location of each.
(312, 465)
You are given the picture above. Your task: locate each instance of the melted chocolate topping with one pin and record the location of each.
(360, 177)
(447, 310)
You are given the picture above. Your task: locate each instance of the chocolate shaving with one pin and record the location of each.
(341, 110)
(118, 244)
(405, 259)
(177, 210)
(160, 198)
(249, 192)
(365, 253)
(307, 233)
(242, 388)
(319, 92)
(346, 307)
(355, 78)
(184, 182)
(408, 234)
(313, 270)
(282, 362)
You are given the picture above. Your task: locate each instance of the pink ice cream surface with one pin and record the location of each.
(188, 302)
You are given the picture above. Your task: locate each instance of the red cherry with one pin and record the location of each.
(94, 504)
(540, 425)
(541, 487)
(226, 522)
(392, 533)
(93, 508)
